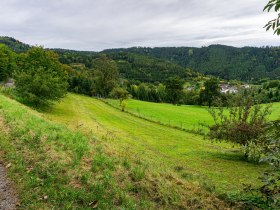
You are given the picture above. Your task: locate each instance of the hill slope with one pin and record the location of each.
(147, 69)
(224, 61)
(131, 66)
(158, 145)
(15, 45)
(53, 167)
(114, 160)
(227, 62)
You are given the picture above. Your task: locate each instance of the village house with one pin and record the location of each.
(226, 88)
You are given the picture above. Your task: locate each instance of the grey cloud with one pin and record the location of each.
(101, 24)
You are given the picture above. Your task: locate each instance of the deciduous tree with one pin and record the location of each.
(210, 91)
(7, 62)
(40, 78)
(121, 94)
(106, 75)
(243, 123)
(174, 89)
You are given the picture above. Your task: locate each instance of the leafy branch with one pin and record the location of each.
(275, 23)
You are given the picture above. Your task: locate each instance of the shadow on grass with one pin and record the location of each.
(236, 156)
(233, 156)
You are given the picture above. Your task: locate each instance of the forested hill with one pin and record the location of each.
(132, 66)
(155, 64)
(224, 61)
(13, 44)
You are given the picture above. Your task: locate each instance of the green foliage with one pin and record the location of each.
(270, 179)
(210, 91)
(145, 68)
(7, 62)
(148, 92)
(275, 23)
(121, 94)
(270, 189)
(76, 57)
(271, 148)
(244, 122)
(80, 80)
(145, 92)
(131, 66)
(174, 89)
(269, 91)
(106, 76)
(40, 77)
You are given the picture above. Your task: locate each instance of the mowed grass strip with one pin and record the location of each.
(169, 150)
(189, 117)
(56, 168)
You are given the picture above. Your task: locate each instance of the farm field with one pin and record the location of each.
(170, 149)
(188, 117)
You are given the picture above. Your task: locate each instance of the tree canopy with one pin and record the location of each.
(106, 75)
(7, 62)
(210, 91)
(174, 89)
(40, 78)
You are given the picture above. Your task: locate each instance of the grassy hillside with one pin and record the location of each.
(184, 116)
(112, 159)
(176, 152)
(57, 168)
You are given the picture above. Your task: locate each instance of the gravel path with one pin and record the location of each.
(8, 199)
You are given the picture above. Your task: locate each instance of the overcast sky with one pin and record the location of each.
(101, 24)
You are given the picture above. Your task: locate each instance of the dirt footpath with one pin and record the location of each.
(8, 198)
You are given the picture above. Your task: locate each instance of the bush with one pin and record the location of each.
(270, 187)
(243, 123)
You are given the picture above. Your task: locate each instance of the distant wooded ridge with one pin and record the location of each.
(245, 64)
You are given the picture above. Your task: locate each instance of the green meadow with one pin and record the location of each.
(189, 117)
